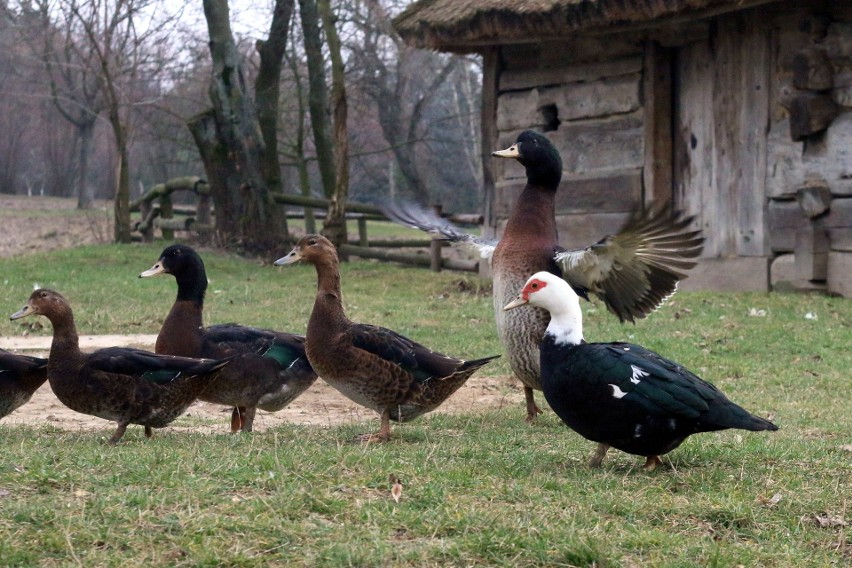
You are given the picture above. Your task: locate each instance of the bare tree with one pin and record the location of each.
(334, 227)
(229, 135)
(392, 74)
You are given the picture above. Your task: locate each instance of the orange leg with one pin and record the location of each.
(237, 416)
(532, 408)
(598, 457)
(383, 435)
(651, 463)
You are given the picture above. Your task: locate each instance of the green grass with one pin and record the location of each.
(481, 488)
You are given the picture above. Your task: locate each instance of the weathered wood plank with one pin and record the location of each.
(785, 169)
(591, 145)
(741, 112)
(694, 140)
(583, 230)
(657, 91)
(839, 269)
(531, 77)
(581, 48)
(811, 252)
(811, 113)
(783, 220)
(833, 158)
(812, 70)
(729, 274)
(618, 191)
(573, 101)
(840, 215)
(814, 198)
(840, 239)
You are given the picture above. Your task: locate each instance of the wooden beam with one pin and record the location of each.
(659, 154)
(488, 130)
(811, 113)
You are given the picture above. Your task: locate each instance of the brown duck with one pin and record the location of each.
(374, 366)
(633, 271)
(20, 377)
(269, 368)
(128, 386)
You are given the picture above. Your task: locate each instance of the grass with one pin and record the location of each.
(480, 488)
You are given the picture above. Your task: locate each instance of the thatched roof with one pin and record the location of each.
(469, 25)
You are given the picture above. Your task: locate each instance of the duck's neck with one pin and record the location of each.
(66, 342)
(533, 215)
(328, 313)
(183, 329)
(566, 325)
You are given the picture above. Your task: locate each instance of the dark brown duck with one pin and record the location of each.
(374, 366)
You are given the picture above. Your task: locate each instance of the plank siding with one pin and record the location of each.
(722, 117)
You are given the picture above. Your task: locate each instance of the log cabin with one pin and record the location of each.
(737, 111)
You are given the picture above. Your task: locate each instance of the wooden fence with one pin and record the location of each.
(157, 211)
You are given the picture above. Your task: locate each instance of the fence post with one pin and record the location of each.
(362, 232)
(436, 245)
(167, 212)
(145, 212)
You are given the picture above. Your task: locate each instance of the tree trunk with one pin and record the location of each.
(122, 182)
(317, 94)
(334, 228)
(242, 197)
(85, 192)
(266, 98)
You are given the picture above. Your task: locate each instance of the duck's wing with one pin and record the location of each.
(636, 269)
(417, 216)
(627, 374)
(20, 363)
(233, 339)
(422, 362)
(152, 367)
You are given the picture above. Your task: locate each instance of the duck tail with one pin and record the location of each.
(474, 364)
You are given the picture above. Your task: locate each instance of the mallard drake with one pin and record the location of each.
(269, 368)
(374, 366)
(633, 271)
(128, 386)
(619, 394)
(20, 377)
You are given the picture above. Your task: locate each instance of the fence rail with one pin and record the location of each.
(157, 211)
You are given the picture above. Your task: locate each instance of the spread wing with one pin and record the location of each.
(638, 268)
(417, 216)
(149, 366)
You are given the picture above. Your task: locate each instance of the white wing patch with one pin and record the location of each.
(617, 392)
(570, 259)
(638, 373)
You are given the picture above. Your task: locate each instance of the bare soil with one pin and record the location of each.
(40, 226)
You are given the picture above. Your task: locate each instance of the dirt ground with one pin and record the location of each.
(35, 230)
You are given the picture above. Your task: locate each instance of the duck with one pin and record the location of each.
(633, 271)
(124, 385)
(621, 395)
(268, 369)
(20, 377)
(373, 366)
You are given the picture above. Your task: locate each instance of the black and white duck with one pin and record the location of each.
(621, 395)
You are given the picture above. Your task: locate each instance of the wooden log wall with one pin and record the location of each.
(809, 150)
(591, 108)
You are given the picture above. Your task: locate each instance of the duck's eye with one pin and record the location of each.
(312, 242)
(43, 295)
(534, 285)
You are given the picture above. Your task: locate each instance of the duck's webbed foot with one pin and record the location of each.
(532, 408)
